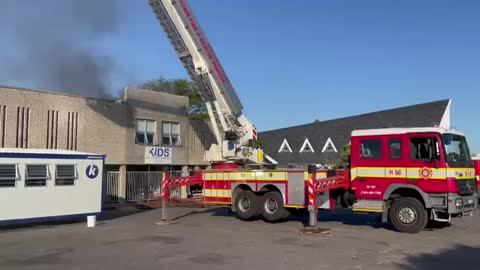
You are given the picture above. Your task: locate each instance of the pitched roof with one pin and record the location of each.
(339, 130)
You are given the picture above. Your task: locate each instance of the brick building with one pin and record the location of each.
(143, 131)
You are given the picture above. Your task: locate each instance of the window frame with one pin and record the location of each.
(15, 179)
(434, 149)
(283, 145)
(145, 131)
(170, 137)
(329, 143)
(47, 174)
(395, 140)
(371, 158)
(75, 177)
(306, 144)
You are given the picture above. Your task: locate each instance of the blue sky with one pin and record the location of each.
(292, 62)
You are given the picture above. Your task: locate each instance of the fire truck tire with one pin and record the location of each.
(246, 204)
(408, 215)
(272, 207)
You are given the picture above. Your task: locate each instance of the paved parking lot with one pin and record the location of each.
(213, 239)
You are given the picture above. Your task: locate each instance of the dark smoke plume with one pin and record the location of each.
(50, 44)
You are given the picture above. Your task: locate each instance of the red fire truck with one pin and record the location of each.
(476, 164)
(410, 175)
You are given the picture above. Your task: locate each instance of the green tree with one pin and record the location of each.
(182, 87)
(260, 143)
(343, 160)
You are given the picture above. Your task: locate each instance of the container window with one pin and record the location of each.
(36, 176)
(8, 175)
(65, 175)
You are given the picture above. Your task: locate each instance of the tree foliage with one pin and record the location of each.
(260, 143)
(180, 87)
(343, 160)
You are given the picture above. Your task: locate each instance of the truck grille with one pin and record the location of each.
(466, 187)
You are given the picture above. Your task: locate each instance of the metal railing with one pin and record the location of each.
(143, 186)
(111, 188)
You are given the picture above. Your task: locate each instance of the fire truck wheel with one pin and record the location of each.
(272, 206)
(246, 204)
(408, 215)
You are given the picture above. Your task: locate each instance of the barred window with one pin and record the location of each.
(65, 175)
(8, 175)
(36, 175)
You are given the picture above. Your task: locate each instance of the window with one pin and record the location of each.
(329, 146)
(285, 147)
(171, 133)
(395, 148)
(65, 175)
(306, 147)
(8, 175)
(371, 149)
(457, 151)
(36, 176)
(422, 149)
(145, 132)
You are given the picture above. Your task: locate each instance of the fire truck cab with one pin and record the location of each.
(412, 175)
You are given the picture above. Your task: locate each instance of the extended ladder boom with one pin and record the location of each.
(234, 133)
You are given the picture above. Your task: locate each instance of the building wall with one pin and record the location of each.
(35, 119)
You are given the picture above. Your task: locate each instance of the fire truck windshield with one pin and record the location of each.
(456, 150)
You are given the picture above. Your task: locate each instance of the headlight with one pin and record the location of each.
(459, 203)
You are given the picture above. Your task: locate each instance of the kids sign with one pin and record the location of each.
(158, 155)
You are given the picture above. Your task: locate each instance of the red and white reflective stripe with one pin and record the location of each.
(164, 188)
(254, 135)
(311, 197)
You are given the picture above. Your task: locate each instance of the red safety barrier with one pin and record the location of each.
(340, 180)
(172, 182)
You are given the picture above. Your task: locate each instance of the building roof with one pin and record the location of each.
(339, 131)
(58, 93)
(44, 151)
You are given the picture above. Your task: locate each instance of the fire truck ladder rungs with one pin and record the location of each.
(202, 84)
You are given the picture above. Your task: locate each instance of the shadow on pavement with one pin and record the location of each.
(344, 216)
(458, 257)
(108, 213)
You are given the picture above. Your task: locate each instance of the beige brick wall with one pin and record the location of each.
(104, 127)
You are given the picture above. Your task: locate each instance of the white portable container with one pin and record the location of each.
(41, 185)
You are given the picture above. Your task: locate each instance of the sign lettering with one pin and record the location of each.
(158, 155)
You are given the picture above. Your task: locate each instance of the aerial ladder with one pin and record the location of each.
(235, 135)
